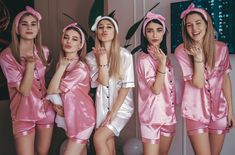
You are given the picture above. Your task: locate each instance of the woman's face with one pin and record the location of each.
(154, 33)
(71, 41)
(28, 27)
(105, 31)
(195, 27)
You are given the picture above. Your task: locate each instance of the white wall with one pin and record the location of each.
(130, 11)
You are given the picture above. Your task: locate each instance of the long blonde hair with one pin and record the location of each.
(14, 45)
(208, 41)
(115, 56)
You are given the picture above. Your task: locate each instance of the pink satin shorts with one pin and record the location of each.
(151, 134)
(23, 128)
(82, 137)
(215, 127)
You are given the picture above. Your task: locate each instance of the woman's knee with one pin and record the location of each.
(99, 138)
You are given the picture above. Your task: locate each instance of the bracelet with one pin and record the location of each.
(198, 61)
(161, 72)
(103, 65)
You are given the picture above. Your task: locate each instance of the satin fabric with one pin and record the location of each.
(208, 103)
(23, 128)
(106, 95)
(79, 110)
(155, 132)
(154, 109)
(56, 100)
(34, 106)
(215, 127)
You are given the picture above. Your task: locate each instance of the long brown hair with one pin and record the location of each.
(115, 57)
(208, 41)
(14, 45)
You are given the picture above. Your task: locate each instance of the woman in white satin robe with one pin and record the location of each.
(112, 73)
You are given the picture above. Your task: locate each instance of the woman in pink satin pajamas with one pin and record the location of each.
(156, 87)
(72, 81)
(207, 97)
(24, 63)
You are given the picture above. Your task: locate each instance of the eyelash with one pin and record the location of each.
(24, 24)
(158, 30)
(199, 23)
(101, 27)
(74, 39)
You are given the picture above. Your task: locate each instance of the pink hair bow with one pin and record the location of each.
(33, 12)
(75, 25)
(70, 25)
(193, 8)
(30, 10)
(150, 16)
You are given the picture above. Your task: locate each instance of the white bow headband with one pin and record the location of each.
(99, 18)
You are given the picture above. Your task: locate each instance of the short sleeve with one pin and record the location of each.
(93, 69)
(10, 69)
(145, 72)
(128, 70)
(226, 60)
(73, 77)
(185, 62)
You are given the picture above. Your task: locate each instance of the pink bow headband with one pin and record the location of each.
(190, 9)
(99, 18)
(150, 16)
(30, 10)
(75, 25)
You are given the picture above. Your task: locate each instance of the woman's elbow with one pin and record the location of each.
(53, 91)
(24, 92)
(103, 82)
(198, 84)
(156, 91)
(49, 92)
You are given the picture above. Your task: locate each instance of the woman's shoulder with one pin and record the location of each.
(6, 53)
(179, 48)
(180, 51)
(142, 56)
(221, 49)
(45, 50)
(220, 44)
(90, 55)
(124, 50)
(82, 64)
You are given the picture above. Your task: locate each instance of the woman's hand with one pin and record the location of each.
(230, 120)
(30, 60)
(59, 109)
(109, 117)
(157, 54)
(65, 61)
(101, 54)
(197, 53)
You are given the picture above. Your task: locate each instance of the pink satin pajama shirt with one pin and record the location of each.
(154, 110)
(31, 107)
(209, 103)
(79, 110)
